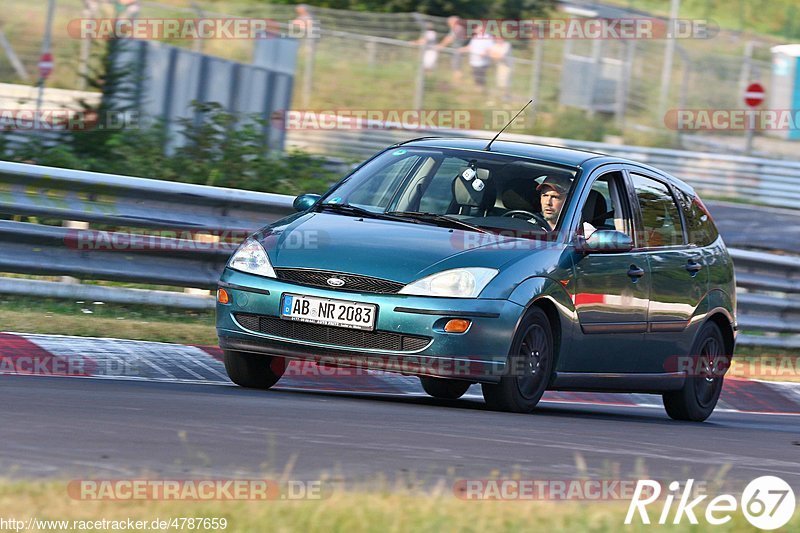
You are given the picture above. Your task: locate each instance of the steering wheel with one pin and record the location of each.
(527, 215)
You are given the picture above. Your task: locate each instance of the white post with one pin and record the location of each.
(744, 79)
(669, 53)
(536, 69)
(12, 57)
(48, 31)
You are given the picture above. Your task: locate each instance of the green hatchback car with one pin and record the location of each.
(521, 267)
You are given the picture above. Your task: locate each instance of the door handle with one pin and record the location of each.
(635, 273)
(693, 267)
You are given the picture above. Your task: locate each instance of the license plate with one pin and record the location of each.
(328, 312)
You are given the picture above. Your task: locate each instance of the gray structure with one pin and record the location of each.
(169, 78)
(785, 88)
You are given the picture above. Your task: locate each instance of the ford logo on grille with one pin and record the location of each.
(335, 282)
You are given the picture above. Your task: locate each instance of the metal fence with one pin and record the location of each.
(368, 60)
(769, 284)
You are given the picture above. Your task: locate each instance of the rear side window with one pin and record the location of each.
(661, 219)
(699, 224)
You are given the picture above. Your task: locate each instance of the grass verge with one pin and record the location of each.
(95, 319)
(351, 511)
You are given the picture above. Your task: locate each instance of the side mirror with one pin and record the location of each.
(604, 242)
(305, 201)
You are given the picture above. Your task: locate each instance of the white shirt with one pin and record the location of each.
(479, 47)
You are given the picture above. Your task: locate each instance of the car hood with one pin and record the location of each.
(397, 251)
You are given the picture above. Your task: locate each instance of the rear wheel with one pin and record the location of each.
(698, 397)
(444, 389)
(530, 365)
(253, 371)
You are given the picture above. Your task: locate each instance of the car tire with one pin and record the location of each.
(696, 400)
(529, 368)
(443, 388)
(253, 371)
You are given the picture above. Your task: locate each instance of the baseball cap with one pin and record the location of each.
(558, 182)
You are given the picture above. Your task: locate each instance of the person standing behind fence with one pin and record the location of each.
(428, 40)
(303, 24)
(479, 45)
(456, 38)
(501, 56)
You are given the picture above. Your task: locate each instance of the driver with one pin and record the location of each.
(552, 193)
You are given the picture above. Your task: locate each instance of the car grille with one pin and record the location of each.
(352, 282)
(351, 338)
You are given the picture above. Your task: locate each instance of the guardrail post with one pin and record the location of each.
(73, 224)
(536, 70)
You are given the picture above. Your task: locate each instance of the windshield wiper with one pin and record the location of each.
(439, 220)
(361, 212)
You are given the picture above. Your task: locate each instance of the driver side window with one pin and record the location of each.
(604, 209)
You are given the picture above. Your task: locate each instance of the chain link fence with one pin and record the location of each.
(371, 61)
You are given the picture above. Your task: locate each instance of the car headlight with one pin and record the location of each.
(251, 258)
(456, 283)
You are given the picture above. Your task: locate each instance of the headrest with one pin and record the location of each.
(594, 208)
(520, 195)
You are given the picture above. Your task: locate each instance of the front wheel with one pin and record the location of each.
(444, 389)
(530, 365)
(697, 399)
(253, 371)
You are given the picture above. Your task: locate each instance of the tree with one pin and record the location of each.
(117, 83)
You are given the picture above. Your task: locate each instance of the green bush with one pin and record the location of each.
(223, 150)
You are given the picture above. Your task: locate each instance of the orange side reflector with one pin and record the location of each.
(222, 296)
(457, 325)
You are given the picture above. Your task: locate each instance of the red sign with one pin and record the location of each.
(754, 94)
(45, 64)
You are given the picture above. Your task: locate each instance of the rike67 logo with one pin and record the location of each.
(768, 502)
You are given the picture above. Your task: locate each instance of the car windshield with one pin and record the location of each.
(457, 188)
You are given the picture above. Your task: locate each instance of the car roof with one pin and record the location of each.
(555, 154)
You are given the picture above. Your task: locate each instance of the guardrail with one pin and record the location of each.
(768, 283)
(751, 179)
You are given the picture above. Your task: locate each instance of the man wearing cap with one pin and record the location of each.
(552, 193)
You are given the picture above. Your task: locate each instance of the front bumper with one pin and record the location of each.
(479, 354)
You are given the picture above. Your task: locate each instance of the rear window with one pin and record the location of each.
(661, 220)
(699, 224)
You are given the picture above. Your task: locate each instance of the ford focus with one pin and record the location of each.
(519, 267)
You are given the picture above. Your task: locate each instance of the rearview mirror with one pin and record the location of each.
(305, 201)
(604, 242)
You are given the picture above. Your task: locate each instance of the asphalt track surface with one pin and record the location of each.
(68, 427)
